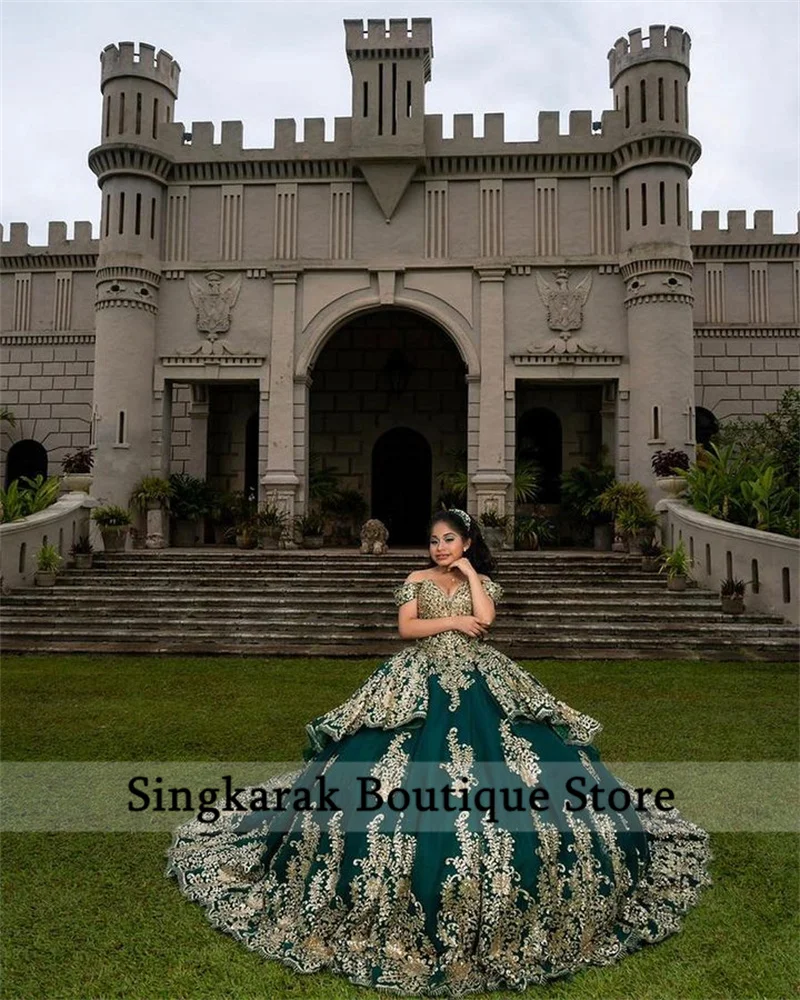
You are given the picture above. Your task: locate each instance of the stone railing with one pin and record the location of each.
(61, 524)
(769, 563)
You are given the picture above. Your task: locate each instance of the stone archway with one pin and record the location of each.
(25, 458)
(387, 404)
(401, 484)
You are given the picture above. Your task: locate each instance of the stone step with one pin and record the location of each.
(551, 648)
(195, 607)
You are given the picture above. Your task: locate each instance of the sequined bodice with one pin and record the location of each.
(432, 602)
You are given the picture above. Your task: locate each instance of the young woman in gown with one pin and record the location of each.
(448, 903)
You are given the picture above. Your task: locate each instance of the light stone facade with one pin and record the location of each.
(389, 298)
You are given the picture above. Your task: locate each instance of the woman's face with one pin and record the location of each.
(446, 544)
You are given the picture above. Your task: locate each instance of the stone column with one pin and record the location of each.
(491, 481)
(160, 451)
(198, 434)
(280, 481)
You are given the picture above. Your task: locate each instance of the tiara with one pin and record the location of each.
(462, 514)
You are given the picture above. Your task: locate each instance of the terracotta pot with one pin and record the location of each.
(43, 578)
(677, 582)
(83, 560)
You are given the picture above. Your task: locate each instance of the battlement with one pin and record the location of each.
(397, 41)
(126, 60)
(673, 45)
(737, 231)
(17, 244)
(201, 141)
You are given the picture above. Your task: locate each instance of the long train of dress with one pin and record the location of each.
(446, 907)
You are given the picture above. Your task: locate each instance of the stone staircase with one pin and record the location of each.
(220, 600)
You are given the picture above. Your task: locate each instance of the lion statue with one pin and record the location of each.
(374, 537)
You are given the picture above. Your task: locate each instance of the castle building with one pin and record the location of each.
(388, 300)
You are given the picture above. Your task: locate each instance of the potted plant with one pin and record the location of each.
(619, 498)
(310, 529)
(731, 594)
(346, 508)
(114, 523)
(636, 527)
(189, 504)
(667, 466)
(221, 508)
(580, 488)
(494, 527)
(82, 551)
(271, 521)
(651, 553)
(531, 530)
(677, 563)
(48, 563)
(244, 529)
(151, 497)
(77, 469)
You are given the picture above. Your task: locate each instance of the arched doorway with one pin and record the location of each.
(705, 426)
(26, 458)
(387, 414)
(401, 484)
(539, 440)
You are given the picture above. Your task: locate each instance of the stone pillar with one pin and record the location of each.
(302, 385)
(491, 481)
(160, 451)
(280, 481)
(198, 434)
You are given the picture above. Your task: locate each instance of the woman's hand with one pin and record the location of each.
(465, 566)
(470, 625)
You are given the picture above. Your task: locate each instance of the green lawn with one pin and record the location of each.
(91, 916)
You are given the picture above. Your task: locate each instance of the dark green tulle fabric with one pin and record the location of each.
(459, 904)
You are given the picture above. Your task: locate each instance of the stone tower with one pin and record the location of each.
(649, 78)
(139, 91)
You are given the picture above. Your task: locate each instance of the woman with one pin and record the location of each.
(466, 852)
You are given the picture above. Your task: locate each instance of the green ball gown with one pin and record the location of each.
(447, 903)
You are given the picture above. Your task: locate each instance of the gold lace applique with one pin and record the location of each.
(459, 767)
(391, 768)
(519, 755)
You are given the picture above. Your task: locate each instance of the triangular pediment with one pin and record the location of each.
(388, 182)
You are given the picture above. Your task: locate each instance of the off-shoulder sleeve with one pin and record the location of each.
(494, 590)
(405, 592)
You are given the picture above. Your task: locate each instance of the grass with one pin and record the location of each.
(91, 916)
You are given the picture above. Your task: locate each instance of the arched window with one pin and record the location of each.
(26, 458)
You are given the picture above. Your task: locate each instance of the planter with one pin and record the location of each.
(83, 560)
(44, 578)
(313, 541)
(244, 540)
(495, 537)
(603, 537)
(674, 486)
(114, 538)
(650, 564)
(76, 482)
(185, 534)
(635, 542)
(732, 605)
(677, 582)
(271, 542)
(220, 534)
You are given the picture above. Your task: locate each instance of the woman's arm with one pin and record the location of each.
(482, 605)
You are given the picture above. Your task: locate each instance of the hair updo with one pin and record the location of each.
(478, 552)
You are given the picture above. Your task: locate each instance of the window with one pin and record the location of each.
(643, 100)
(644, 204)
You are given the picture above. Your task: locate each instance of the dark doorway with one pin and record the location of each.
(401, 485)
(251, 456)
(539, 441)
(26, 458)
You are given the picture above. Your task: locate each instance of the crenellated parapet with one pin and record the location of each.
(393, 41)
(17, 253)
(736, 240)
(672, 44)
(126, 60)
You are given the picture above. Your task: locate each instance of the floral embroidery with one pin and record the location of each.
(519, 755)
(391, 768)
(459, 767)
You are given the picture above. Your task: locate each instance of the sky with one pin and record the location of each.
(256, 61)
